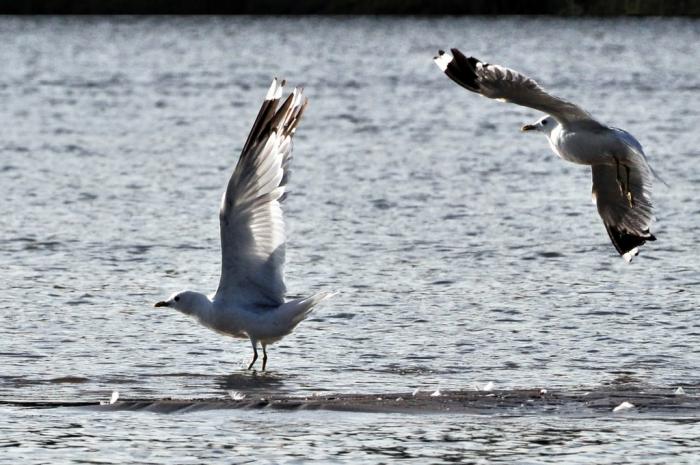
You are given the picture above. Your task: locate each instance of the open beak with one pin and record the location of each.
(162, 303)
(528, 127)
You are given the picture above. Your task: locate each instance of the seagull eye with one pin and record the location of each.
(544, 123)
(177, 298)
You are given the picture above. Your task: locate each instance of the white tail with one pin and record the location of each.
(299, 309)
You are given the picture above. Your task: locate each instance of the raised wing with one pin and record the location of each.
(497, 82)
(252, 226)
(626, 220)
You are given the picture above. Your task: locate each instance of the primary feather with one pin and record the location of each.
(251, 222)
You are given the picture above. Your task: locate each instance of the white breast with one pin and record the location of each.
(581, 147)
(223, 320)
(556, 141)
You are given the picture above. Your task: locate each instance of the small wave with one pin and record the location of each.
(69, 380)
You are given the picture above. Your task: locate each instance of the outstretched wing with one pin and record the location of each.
(252, 226)
(498, 82)
(626, 220)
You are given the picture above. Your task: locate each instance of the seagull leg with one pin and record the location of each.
(255, 353)
(264, 357)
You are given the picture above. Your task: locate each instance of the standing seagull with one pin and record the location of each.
(621, 174)
(250, 300)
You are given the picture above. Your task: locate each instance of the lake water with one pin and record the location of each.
(464, 251)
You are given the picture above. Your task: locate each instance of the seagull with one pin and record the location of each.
(621, 174)
(250, 300)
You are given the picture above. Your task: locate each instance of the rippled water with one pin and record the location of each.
(464, 251)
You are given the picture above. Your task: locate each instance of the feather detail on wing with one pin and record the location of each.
(627, 221)
(252, 226)
(504, 84)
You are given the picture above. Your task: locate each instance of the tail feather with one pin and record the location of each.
(302, 308)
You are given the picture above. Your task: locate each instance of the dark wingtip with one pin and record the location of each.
(472, 61)
(462, 70)
(626, 243)
(649, 236)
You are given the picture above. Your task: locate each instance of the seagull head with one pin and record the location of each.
(545, 125)
(187, 302)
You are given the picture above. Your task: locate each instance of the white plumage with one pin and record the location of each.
(250, 301)
(621, 175)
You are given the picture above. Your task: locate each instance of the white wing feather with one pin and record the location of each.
(251, 220)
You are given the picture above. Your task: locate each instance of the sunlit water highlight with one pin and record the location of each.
(464, 251)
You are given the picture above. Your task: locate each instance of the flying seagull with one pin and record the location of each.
(621, 174)
(250, 301)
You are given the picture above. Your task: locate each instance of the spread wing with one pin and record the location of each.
(498, 82)
(627, 221)
(252, 226)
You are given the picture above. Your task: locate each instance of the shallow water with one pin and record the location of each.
(464, 251)
(327, 437)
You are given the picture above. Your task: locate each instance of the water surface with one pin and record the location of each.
(464, 251)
